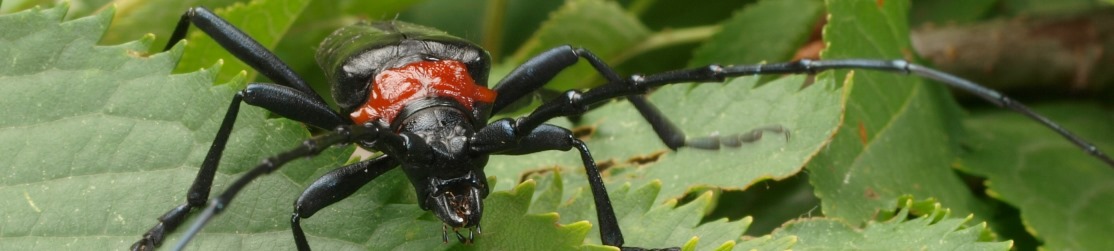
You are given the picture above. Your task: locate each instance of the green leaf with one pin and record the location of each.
(96, 142)
(896, 138)
(107, 140)
(78, 7)
(136, 18)
(533, 232)
(621, 134)
(738, 40)
(1063, 194)
(101, 140)
(933, 230)
(646, 223)
(601, 26)
(99, 168)
(661, 225)
(129, 131)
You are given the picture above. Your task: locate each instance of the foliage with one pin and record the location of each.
(96, 141)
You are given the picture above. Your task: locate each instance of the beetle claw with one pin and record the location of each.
(471, 236)
(444, 233)
(460, 237)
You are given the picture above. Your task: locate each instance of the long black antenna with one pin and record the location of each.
(310, 147)
(638, 84)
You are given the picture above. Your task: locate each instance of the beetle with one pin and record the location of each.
(420, 96)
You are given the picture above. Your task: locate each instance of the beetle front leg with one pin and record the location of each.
(333, 187)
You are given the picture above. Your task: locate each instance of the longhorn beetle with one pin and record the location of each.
(420, 96)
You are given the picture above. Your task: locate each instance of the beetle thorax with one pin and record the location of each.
(394, 89)
(441, 126)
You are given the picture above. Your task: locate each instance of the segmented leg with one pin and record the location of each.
(313, 146)
(539, 70)
(498, 138)
(333, 187)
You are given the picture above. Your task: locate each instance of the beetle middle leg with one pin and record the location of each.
(539, 70)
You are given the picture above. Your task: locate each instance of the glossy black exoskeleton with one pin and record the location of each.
(420, 97)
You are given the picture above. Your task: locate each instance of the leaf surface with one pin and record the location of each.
(896, 138)
(1062, 192)
(933, 229)
(98, 141)
(99, 168)
(122, 138)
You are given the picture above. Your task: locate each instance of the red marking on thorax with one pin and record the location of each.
(393, 88)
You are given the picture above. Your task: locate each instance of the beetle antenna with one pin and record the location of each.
(310, 147)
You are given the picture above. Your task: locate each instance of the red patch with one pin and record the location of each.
(880, 3)
(393, 88)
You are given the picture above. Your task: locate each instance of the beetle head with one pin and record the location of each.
(458, 202)
(447, 176)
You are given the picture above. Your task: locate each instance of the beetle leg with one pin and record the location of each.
(539, 70)
(499, 138)
(445, 233)
(460, 237)
(199, 191)
(313, 146)
(332, 187)
(242, 46)
(471, 235)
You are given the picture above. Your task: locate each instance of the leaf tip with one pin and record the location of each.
(691, 243)
(726, 246)
(109, 10)
(583, 225)
(58, 12)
